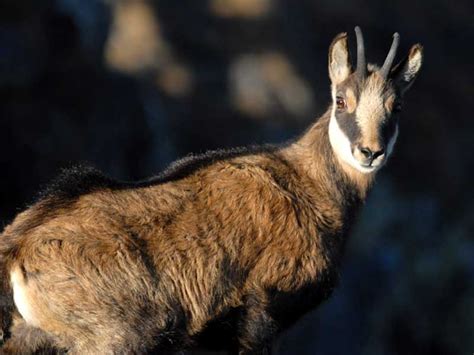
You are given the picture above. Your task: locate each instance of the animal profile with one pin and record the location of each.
(223, 250)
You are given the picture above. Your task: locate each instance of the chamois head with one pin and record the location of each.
(367, 102)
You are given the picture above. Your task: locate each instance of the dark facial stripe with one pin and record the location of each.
(387, 130)
(348, 124)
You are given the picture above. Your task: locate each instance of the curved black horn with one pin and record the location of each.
(361, 65)
(390, 56)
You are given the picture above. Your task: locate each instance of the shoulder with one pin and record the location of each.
(191, 164)
(82, 179)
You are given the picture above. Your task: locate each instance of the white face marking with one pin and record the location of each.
(341, 145)
(20, 297)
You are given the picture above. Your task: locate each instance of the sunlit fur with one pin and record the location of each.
(225, 249)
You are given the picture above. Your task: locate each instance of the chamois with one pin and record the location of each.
(241, 242)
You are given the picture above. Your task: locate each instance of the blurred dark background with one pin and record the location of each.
(131, 85)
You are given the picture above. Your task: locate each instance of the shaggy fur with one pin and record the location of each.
(225, 249)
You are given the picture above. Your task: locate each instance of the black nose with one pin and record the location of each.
(369, 154)
(366, 152)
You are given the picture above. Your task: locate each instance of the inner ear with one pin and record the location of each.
(405, 72)
(339, 60)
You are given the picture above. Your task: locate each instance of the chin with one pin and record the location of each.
(365, 169)
(368, 169)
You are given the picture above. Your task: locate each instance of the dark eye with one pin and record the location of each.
(340, 103)
(397, 107)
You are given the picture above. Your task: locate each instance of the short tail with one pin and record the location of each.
(6, 294)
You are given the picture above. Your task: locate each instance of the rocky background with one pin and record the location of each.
(130, 85)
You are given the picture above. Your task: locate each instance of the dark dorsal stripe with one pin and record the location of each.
(82, 179)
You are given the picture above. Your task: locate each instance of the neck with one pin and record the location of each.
(314, 156)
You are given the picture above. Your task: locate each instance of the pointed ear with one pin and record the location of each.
(405, 72)
(339, 62)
